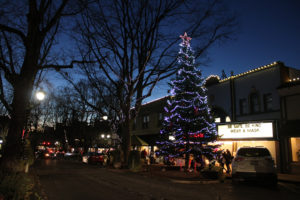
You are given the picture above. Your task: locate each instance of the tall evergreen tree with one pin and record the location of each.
(188, 127)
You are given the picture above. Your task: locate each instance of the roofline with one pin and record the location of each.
(252, 70)
(155, 100)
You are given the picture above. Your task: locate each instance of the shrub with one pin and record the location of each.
(19, 186)
(15, 186)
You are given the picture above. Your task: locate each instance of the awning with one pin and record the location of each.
(137, 141)
(151, 139)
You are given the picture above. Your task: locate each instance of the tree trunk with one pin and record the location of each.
(187, 156)
(127, 139)
(13, 150)
(14, 147)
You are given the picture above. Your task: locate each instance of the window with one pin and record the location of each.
(295, 145)
(268, 102)
(134, 124)
(145, 121)
(254, 103)
(243, 106)
(227, 119)
(253, 152)
(217, 120)
(160, 119)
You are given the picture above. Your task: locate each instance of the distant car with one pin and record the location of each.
(72, 156)
(93, 158)
(50, 155)
(60, 154)
(254, 163)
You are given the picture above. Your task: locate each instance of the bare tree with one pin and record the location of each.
(27, 34)
(134, 44)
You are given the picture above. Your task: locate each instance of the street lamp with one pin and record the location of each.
(40, 95)
(105, 117)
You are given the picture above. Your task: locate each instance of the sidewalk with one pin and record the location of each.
(190, 177)
(196, 176)
(295, 178)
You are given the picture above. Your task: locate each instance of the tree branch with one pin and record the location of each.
(58, 67)
(14, 31)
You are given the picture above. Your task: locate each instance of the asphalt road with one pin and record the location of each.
(71, 180)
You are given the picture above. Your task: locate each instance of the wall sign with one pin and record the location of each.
(247, 130)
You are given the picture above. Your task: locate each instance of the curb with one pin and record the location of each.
(204, 182)
(289, 181)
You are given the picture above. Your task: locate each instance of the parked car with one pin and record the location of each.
(72, 155)
(93, 158)
(49, 154)
(60, 154)
(254, 163)
(85, 157)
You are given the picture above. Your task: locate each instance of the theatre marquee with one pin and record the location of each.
(246, 130)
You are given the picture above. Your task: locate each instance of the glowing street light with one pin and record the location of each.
(104, 117)
(40, 95)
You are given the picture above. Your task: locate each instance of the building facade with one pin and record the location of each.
(290, 130)
(249, 110)
(148, 123)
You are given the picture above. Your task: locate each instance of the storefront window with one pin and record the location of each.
(295, 145)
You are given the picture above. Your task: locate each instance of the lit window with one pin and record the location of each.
(218, 120)
(295, 145)
(228, 119)
(268, 102)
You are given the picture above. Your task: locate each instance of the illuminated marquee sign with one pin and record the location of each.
(248, 130)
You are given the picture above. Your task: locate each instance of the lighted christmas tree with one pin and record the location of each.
(188, 126)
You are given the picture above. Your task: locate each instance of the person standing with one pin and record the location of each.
(228, 157)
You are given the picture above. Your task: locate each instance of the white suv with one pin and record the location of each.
(254, 163)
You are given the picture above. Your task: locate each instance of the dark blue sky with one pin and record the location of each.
(269, 31)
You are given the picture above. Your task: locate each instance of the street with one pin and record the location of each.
(73, 180)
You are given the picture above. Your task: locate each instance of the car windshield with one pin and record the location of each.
(253, 152)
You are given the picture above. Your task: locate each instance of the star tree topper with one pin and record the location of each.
(185, 39)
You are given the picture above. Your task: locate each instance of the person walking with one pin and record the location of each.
(228, 158)
(221, 159)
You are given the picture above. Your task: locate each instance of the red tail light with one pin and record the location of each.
(238, 159)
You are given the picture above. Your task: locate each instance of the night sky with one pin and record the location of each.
(269, 30)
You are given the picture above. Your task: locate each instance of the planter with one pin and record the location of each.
(117, 165)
